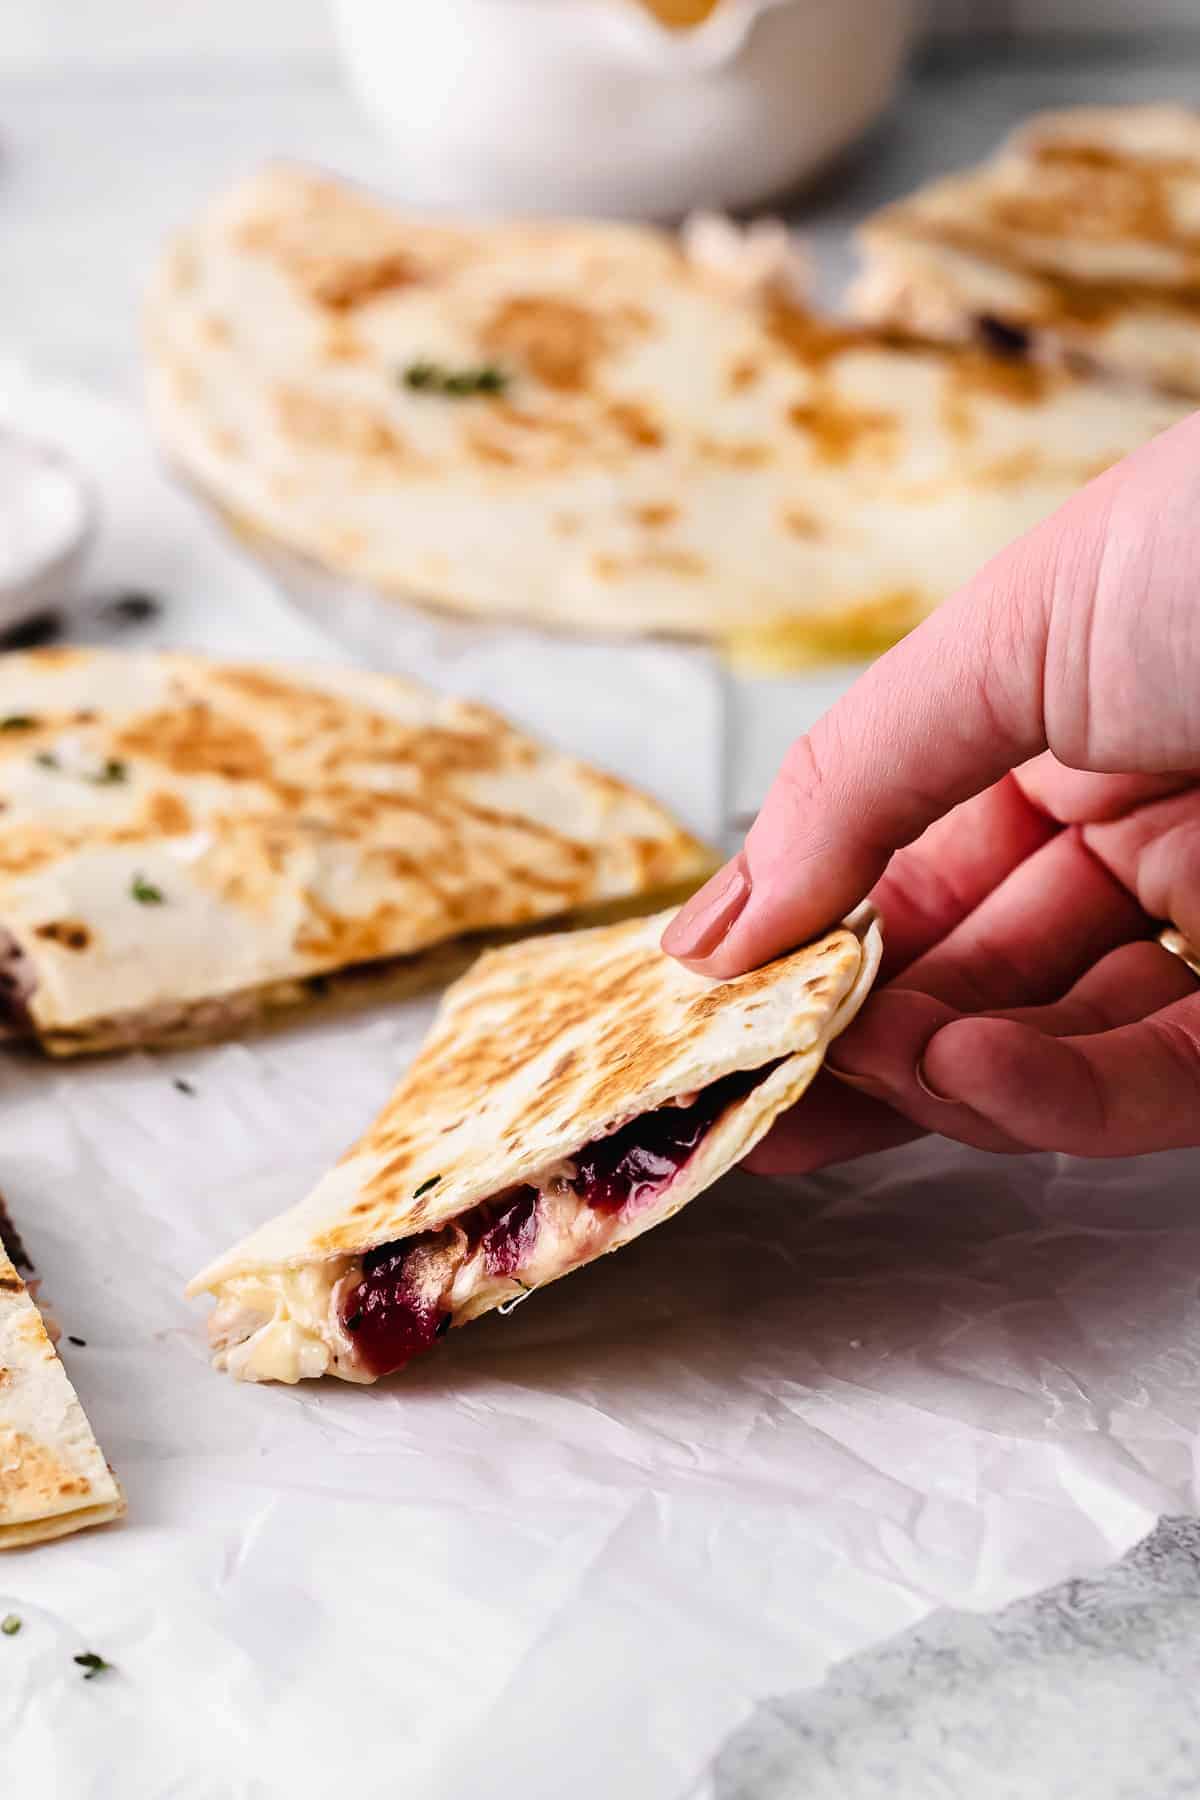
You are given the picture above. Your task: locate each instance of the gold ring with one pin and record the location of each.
(1172, 939)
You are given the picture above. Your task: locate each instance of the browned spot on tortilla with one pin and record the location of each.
(215, 329)
(69, 933)
(662, 559)
(636, 424)
(226, 441)
(328, 422)
(557, 341)
(733, 453)
(168, 814)
(654, 514)
(839, 433)
(812, 340)
(567, 524)
(802, 523)
(194, 739)
(341, 343)
(743, 374)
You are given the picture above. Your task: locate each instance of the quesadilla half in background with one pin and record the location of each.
(574, 1092)
(1079, 239)
(584, 426)
(186, 845)
(53, 1476)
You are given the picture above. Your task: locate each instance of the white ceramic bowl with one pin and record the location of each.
(47, 523)
(593, 106)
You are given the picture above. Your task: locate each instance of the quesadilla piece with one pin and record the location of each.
(53, 1476)
(186, 845)
(574, 1093)
(1079, 239)
(589, 428)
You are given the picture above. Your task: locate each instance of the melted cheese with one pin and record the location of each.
(285, 1324)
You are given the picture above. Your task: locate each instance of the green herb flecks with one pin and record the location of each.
(184, 1087)
(19, 722)
(10, 1625)
(46, 759)
(457, 384)
(110, 775)
(426, 1185)
(145, 892)
(91, 1664)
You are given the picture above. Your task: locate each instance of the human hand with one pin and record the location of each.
(1017, 783)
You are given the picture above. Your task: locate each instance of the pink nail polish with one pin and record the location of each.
(706, 919)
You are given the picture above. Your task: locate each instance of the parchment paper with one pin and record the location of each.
(568, 1553)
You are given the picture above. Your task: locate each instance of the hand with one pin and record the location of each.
(1016, 783)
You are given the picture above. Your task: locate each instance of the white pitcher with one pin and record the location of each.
(595, 106)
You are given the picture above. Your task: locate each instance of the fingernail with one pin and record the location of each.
(926, 1086)
(700, 925)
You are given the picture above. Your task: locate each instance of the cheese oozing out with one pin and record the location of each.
(361, 1317)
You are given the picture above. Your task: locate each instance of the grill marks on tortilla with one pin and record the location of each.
(364, 833)
(596, 1021)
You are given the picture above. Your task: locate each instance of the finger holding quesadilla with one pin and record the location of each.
(575, 1092)
(188, 845)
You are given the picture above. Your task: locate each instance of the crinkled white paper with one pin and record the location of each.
(567, 1553)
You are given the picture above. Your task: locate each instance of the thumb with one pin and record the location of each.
(942, 716)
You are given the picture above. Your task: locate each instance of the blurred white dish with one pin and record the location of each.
(47, 520)
(594, 106)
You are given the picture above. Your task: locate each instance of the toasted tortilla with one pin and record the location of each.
(574, 1092)
(53, 1476)
(186, 844)
(1079, 239)
(664, 442)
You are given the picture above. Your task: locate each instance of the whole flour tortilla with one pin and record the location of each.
(549, 1060)
(53, 1476)
(664, 446)
(186, 843)
(1079, 239)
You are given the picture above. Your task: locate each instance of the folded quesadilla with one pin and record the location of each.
(595, 427)
(53, 1476)
(574, 1092)
(186, 845)
(1079, 239)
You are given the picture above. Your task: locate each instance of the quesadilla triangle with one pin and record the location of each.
(574, 1092)
(1078, 240)
(592, 427)
(187, 845)
(53, 1476)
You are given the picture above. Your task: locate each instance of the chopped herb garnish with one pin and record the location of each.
(145, 892)
(354, 1321)
(132, 608)
(18, 722)
(10, 1625)
(457, 384)
(80, 1342)
(112, 773)
(426, 1185)
(42, 628)
(91, 1664)
(185, 1087)
(47, 759)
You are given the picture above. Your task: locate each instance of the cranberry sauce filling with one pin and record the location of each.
(389, 1320)
(508, 1242)
(637, 1162)
(395, 1310)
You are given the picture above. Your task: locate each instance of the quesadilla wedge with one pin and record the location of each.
(574, 1092)
(588, 427)
(1078, 240)
(186, 845)
(53, 1476)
